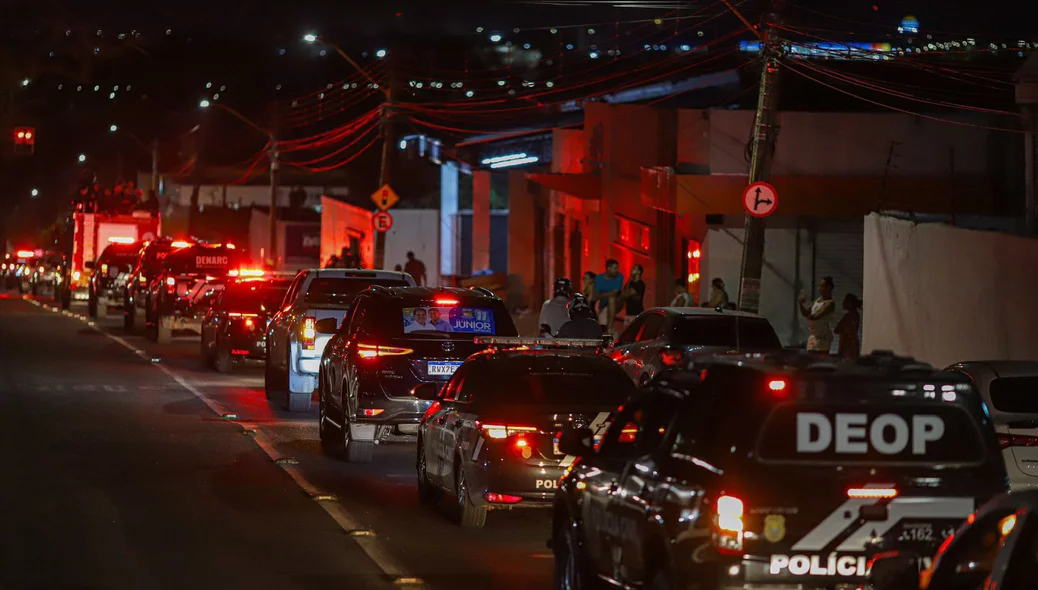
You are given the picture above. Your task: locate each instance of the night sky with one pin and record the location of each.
(170, 51)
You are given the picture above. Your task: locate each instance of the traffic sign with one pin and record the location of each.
(384, 198)
(382, 221)
(760, 199)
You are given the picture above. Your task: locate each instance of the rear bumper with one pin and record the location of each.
(247, 347)
(818, 571)
(493, 472)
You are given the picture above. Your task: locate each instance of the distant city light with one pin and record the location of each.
(204, 104)
(310, 37)
(470, 93)
(403, 144)
(25, 82)
(380, 53)
(82, 158)
(685, 48)
(495, 38)
(113, 128)
(594, 55)
(35, 192)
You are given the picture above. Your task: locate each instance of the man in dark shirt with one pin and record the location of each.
(415, 268)
(634, 295)
(582, 323)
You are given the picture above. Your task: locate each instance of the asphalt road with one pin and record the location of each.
(131, 465)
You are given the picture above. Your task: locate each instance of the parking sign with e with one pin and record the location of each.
(382, 221)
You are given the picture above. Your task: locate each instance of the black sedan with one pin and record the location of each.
(234, 327)
(490, 438)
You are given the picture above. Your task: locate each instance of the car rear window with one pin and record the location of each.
(254, 298)
(457, 319)
(1015, 394)
(343, 290)
(560, 381)
(874, 434)
(725, 331)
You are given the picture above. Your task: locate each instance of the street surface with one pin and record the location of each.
(131, 465)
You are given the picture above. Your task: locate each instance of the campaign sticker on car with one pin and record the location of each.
(442, 367)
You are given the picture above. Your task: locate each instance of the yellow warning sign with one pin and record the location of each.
(384, 198)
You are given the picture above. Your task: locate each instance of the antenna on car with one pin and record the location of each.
(484, 291)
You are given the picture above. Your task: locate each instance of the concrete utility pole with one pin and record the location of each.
(764, 136)
(275, 166)
(386, 166)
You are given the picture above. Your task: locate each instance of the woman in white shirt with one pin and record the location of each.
(819, 314)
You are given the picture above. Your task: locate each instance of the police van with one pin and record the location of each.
(774, 471)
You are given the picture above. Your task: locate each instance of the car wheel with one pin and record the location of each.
(662, 579)
(428, 494)
(331, 440)
(92, 306)
(355, 451)
(294, 401)
(163, 330)
(222, 360)
(469, 515)
(571, 571)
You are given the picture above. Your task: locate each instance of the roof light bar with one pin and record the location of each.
(121, 240)
(518, 341)
(498, 159)
(872, 493)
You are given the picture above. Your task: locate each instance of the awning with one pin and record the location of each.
(587, 186)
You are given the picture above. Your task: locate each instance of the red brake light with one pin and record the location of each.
(246, 272)
(629, 434)
(503, 431)
(1017, 440)
(25, 254)
(370, 351)
(370, 412)
(445, 301)
(502, 498)
(309, 332)
(728, 525)
(777, 386)
(885, 493)
(121, 240)
(180, 244)
(671, 358)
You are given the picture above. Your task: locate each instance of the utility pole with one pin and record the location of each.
(274, 168)
(384, 169)
(764, 136)
(155, 169)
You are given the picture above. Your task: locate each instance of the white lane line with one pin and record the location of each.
(366, 539)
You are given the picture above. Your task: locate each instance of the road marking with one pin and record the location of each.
(367, 540)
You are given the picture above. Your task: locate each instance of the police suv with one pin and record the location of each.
(774, 471)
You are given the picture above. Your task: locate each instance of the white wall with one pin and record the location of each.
(943, 294)
(722, 258)
(415, 230)
(852, 144)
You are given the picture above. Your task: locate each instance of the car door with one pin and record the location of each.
(601, 473)
(213, 320)
(621, 348)
(277, 341)
(436, 441)
(635, 504)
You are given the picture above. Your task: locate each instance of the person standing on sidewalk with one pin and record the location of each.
(608, 290)
(634, 295)
(415, 268)
(555, 312)
(718, 296)
(682, 298)
(818, 316)
(849, 346)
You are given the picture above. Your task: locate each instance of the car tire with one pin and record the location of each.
(428, 493)
(222, 360)
(163, 331)
(92, 306)
(355, 451)
(571, 570)
(331, 438)
(297, 402)
(469, 515)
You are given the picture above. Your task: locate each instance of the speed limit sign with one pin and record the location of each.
(382, 221)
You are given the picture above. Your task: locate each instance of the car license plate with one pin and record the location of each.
(442, 368)
(924, 532)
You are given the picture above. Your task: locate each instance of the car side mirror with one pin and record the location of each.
(426, 391)
(89, 264)
(579, 442)
(895, 571)
(327, 326)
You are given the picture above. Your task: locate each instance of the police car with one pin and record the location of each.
(774, 471)
(490, 438)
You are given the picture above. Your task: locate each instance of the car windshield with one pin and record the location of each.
(728, 331)
(557, 381)
(254, 298)
(343, 290)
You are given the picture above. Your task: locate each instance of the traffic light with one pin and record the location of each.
(25, 140)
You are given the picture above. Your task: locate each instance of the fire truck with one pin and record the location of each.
(99, 219)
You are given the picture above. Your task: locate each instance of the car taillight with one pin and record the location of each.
(370, 351)
(445, 301)
(309, 332)
(433, 408)
(671, 357)
(728, 525)
(503, 431)
(777, 387)
(371, 412)
(502, 498)
(629, 434)
(1017, 440)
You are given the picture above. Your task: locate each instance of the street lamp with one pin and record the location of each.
(380, 53)
(82, 158)
(113, 128)
(35, 192)
(204, 104)
(310, 38)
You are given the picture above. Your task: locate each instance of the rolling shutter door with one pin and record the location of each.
(840, 253)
